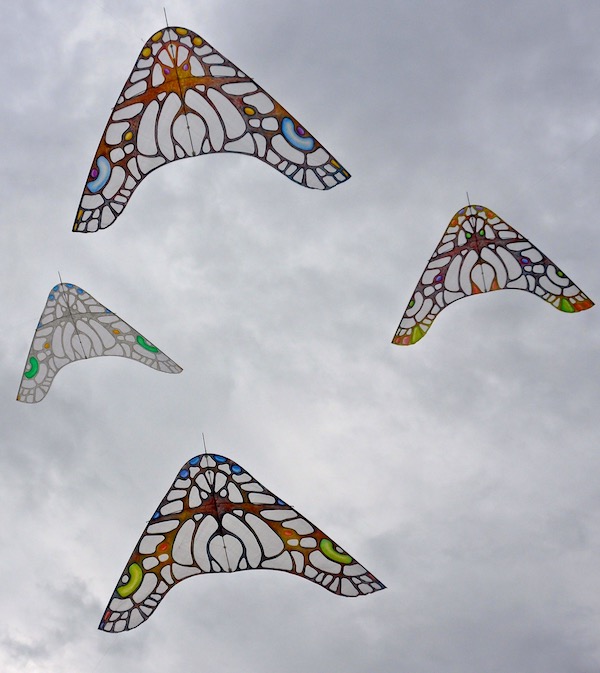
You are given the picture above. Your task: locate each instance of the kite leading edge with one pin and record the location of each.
(217, 518)
(74, 326)
(184, 99)
(479, 252)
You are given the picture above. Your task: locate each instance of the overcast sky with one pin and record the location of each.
(462, 471)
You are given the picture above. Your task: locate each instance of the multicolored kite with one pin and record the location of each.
(184, 99)
(74, 326)
(479, 252)
(217, 518)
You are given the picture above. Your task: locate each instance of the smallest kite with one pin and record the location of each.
(74, 326)
(479, 252)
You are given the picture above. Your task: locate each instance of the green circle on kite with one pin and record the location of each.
(144, 344)
(135, 579)
(327, 548)
(34, 368)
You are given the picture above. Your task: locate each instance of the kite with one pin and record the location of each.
(479, 252)
(217, 518)
(74, 326)
(184, 99)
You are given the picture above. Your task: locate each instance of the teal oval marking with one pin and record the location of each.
(145, 344)
(135, 579)
(34, 368)
(327, 548)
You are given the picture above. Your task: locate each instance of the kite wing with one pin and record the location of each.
(217, 518)
(184, 99)
(479, 252)
(74, 326)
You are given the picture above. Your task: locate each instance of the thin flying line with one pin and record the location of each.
(72, 318)
(166, 19)
(219, 523)
(479, 248)
(222, 532)
(174, 57)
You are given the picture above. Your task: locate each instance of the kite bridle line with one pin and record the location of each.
(174, 57)
(479, 248)
(220, 527)
(85, 357)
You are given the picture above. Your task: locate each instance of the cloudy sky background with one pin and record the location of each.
(461, 471)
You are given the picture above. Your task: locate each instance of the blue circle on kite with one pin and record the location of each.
(104, 171)
(219, 459)
(297, 140)
(195, 460)
(236, 469)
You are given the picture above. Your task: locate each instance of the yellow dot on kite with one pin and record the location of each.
(156, 37)
(128, 135)
(249, 110)
(146, 51)
(197, 41)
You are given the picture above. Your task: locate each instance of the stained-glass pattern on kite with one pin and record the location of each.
(74, 326)
(217, 518)
(184, 99)
(479, 252)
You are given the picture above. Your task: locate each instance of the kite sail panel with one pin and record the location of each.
(217, 518)
(74, 326)
(479, 252)
(184, 99)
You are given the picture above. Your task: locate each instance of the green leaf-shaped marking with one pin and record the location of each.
(135, 579)
(145, 344)
(327, 548)
(34, 368)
